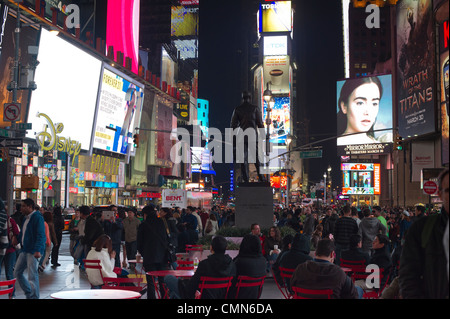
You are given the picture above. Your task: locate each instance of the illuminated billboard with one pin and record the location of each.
(122, 29)
(275, 16)
(361, 179)
(416, 68)
(184, 21)
(54, 76)
(275, 45)
(276, 73)
(187, 48)
(364, 115)
(280, 119)
(119, 112)
(444, 83)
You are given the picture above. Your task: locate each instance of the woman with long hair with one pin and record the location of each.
(359, 104)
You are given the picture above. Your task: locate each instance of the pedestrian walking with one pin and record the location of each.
(32, 239)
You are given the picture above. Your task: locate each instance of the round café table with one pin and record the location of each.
(96, 294)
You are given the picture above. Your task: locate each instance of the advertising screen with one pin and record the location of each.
(360, 178)
(275, 16)
(118, 113)
(364, 115)
(416, 71)
(122, 29)
(275, 45)
(188, 48)
(280, 119)
(444, 83)
(276, 73)
(184, 21)
(74, 107)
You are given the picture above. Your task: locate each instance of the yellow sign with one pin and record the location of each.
(105, 165)
(48, 141)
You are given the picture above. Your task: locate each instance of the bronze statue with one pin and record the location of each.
(248, 116)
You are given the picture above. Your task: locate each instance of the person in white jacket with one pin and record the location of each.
(102, 251)
(211, 226)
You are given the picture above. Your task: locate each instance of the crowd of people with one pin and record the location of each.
(408, 245)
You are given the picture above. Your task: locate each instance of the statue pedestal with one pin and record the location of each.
(254, 204)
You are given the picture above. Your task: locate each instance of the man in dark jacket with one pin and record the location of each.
(218, 264)
(298, 254)
(322, 273)
(354, 253)
(152, 243)
(424, 259)
(92, 229)
(344, 228)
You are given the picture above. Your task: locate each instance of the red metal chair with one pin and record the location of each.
(185, 265)
(302, 293)
(93, 264)
(8, 291)
(133, 284)
(210, 283)
(247, 281)
(376, 293)
(286, 275)
(351, 263)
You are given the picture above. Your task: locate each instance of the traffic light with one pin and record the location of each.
(136, 140)
(398, 143)
(1, 154)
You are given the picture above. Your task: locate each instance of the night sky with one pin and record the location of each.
(319, 55)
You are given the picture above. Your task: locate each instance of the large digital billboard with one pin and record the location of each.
(275, 16)
(361, 178)
(444, 83)
(415, 68)
(118, 113)
(184, 21)
(276, 73)
(66, 92)
(280, 119)
(122, 29)
(364, 115)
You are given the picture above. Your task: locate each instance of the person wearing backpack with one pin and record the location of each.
(424, 267)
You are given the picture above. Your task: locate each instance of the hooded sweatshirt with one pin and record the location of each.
(299, 252)
(368, 229)
(320, 274)
(216, 265)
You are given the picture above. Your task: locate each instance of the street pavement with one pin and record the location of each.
(69, 277)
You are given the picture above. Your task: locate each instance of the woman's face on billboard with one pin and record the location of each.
(362, 108)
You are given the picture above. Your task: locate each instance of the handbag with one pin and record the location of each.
(170, 249)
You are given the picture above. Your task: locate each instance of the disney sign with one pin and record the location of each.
(50, 140)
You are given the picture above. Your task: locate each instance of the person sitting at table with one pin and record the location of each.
(249, 262)
(382, 258)
(101, 250)
(322, 273)
(354, 253)
(298, 254)
(287, 243)
(218, 264)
